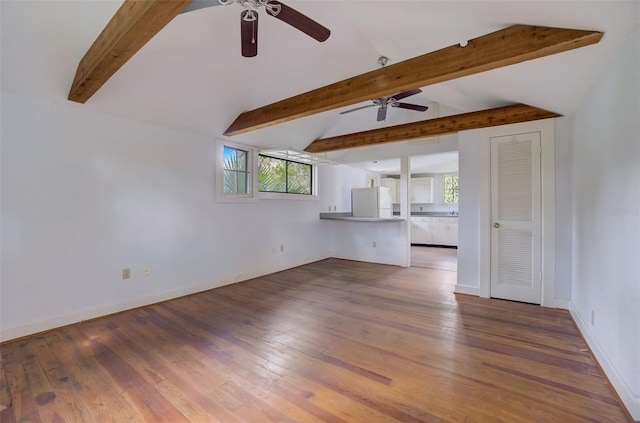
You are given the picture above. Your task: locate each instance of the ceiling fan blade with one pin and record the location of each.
(415, 107)
(249, 34)
(357, 108)
(406, 94)
(299, 21)
(382, 114)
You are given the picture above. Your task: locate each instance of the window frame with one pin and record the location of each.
(271, 195)
(252, 174)
(240, 171)
(444, 191)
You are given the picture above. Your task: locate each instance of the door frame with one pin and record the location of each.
(533, 225)
(548, 191)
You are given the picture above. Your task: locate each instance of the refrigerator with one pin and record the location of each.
(371, 202)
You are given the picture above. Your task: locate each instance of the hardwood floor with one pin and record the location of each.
(442, 258)
(332, 341)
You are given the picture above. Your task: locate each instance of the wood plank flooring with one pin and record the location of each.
(442, 258)
(333, 341)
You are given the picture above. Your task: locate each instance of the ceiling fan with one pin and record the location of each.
(391, 101)
(249, 20)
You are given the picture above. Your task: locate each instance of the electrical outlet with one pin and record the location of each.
(126, 273)
(146, 270)
(281, 248)
(593, 318)
(374, 244)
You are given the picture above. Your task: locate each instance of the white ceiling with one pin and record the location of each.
(192, 77)
(431, 163)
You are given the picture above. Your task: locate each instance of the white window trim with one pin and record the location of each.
(252, 164)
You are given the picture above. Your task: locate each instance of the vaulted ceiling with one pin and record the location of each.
(191, 75)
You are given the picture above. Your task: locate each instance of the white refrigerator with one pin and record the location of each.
(371, 202)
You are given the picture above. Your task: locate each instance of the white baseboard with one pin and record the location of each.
(631, 401)
(375, 260)
(562, 304)
(31, 328)
(469, 290)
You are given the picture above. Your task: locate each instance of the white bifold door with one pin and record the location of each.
(515, 218)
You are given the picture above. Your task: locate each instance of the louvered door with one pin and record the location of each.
(515, 213)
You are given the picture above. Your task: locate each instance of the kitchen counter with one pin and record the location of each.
(347, 216)
(432, 214)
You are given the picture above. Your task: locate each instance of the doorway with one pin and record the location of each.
(433, 211)
(441, 258)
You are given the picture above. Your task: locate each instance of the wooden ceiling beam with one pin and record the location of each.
(432, 127)
(133, 25)
(505, 47)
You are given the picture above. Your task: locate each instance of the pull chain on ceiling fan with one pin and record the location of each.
(249, 22)
(391, 101)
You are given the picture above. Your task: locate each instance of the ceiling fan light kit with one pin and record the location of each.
(249, 22)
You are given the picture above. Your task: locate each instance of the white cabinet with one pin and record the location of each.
(434, 230)
(444, 231)
(421, 230)
(422, 190)
(394, 185)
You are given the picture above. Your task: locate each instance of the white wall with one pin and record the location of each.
(606, 221)
(354, 241)
(85, 195)
(564, 218)
(472, 171)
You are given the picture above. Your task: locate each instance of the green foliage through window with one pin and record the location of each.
(450, 189)
(236, 173)
(284, 176)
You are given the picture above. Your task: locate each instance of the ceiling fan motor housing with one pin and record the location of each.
(249, 22)
(253, 5)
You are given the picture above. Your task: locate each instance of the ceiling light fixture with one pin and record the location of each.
(252, 6)
(384, 103)
(249, 22)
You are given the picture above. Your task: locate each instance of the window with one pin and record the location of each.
(284, 176)
(450, 189)
(236, 171)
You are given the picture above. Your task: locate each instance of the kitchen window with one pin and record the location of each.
(450, 189)
(284, 176)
